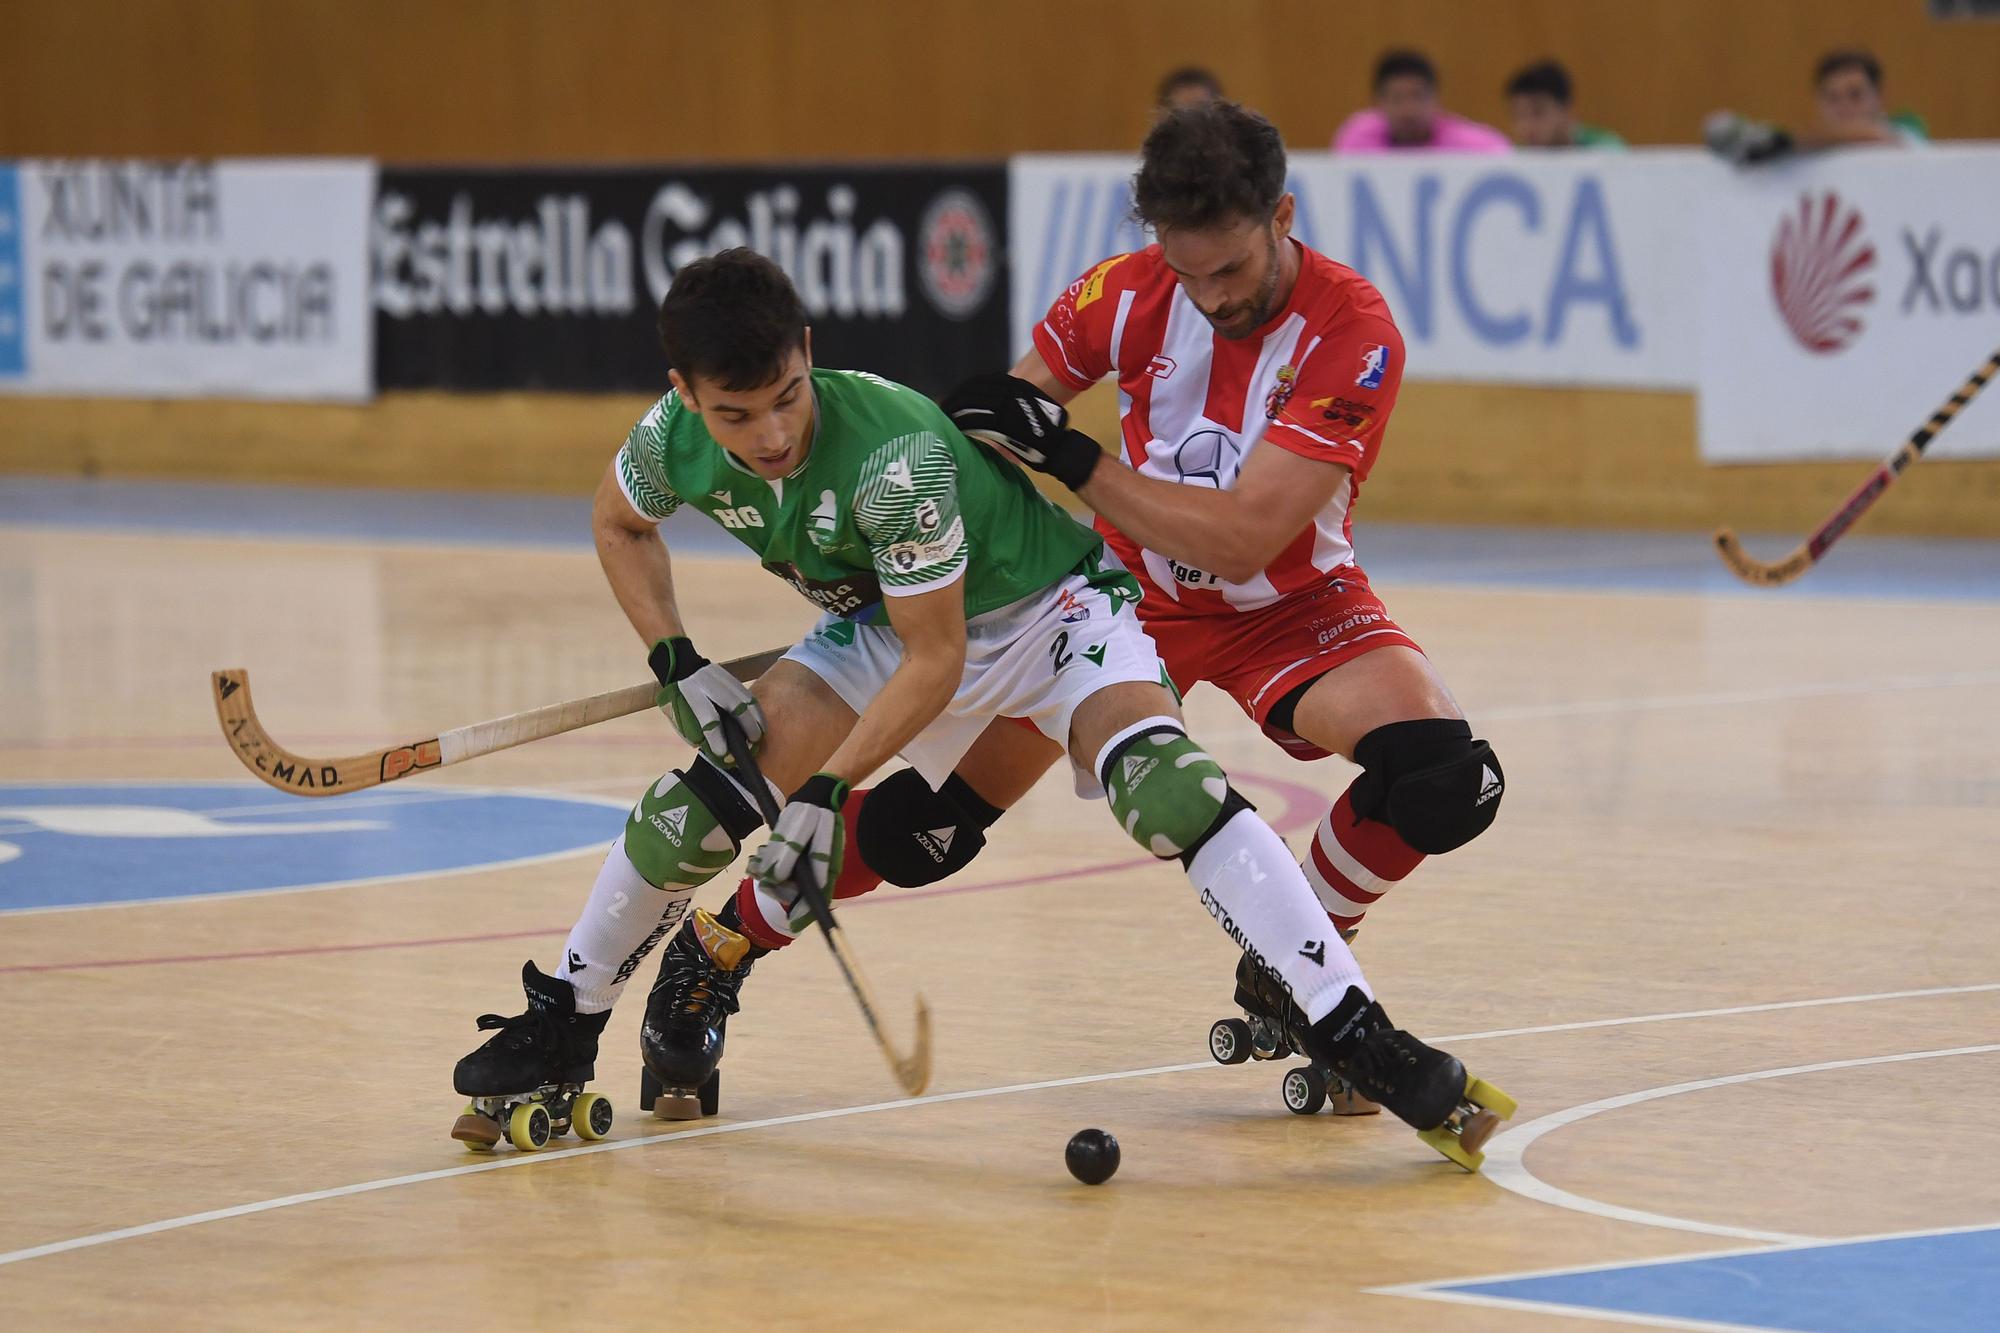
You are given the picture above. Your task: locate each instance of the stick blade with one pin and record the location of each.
(913, 1071)
(1754, 571)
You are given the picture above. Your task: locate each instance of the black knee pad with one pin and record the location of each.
(912, 836)
(724, 797)
(1430, 781)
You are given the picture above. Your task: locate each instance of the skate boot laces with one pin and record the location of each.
(522, 1031)
(1385, 1055)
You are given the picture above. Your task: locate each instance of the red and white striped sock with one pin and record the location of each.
(763, 916)
(1354, 861)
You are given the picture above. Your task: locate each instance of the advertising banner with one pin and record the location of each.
(1844, 298)
(553, 279)
(185, 279)
(1570, 269)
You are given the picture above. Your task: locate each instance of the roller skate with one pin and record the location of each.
(687, 1015)
(1424, 1087)
(526, 1082)
(1271, 1029)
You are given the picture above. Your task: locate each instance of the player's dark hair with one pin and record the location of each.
(1207, 165)
(732, 319)
(1545, 77)
(1833, 62)
(1187, 76)
(1395, 64)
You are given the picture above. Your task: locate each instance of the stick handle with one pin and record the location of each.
(533, 724)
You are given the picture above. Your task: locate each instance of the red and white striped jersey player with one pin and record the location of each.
(1255, 379)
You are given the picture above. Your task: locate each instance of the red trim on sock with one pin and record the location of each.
(1346, 887)
(1376, 845)
(856, 877)
(751, 916)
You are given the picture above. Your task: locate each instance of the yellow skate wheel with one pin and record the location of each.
(1481, 1093)
(530, 1128)
(590, 1117)
(477, 1132)
(1448, 1143)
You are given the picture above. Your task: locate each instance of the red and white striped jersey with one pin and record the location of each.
(1318, 379)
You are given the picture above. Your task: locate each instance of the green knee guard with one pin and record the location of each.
(1165, 791)
(674, 839)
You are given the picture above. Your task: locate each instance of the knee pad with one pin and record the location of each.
(688, 827)
(1430, 781)
(912, 836)
(1168, 795)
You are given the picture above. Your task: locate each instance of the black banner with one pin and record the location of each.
(550, 279)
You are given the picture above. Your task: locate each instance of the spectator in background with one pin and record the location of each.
(1847, 86)
(1190, 85)
(1538, 98)
(1406, 115)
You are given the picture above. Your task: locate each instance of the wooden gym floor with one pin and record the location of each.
(1734, 944)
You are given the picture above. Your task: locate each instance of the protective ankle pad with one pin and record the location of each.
(673, 835)
(1430, 781)
(911, 835)
(1166, 793)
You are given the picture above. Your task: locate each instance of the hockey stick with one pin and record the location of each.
(1752, 570)
(302, 776)
(912, 1071)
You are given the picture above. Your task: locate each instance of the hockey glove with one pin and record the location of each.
(694, 692)
(809, 826)
(1011, 414)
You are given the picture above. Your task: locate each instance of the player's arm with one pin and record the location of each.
(1235, 533)
(931, 625)
(635, 561)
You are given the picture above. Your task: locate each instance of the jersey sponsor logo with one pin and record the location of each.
(740, 518)
(1281, 392)
(1161, 366)
(907, 557)
(1332, 633)
(1343, 411)
(928, 517)
(1071, 608)
(825, 517)
(851, 597)
(1092, 285)
(1374, 365)
(957, 253)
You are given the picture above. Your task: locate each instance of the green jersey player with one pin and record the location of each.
(953, 595)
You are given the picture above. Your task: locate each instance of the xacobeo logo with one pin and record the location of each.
(1822, 268)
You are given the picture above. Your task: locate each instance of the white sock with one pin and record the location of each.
(1252, 886)
(624, 918)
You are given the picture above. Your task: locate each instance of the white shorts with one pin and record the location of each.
(1037, 659)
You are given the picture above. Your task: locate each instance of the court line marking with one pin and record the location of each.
(1444, 1289)
(1507, 1168)
(841, 1112)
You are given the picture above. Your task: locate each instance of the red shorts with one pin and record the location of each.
(1258, 657)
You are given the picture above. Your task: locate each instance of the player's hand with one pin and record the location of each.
(1009, 413)
(694, 692)
(809, 826)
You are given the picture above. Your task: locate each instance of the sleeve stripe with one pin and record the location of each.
(625, 489)
(1045, 338)
(1331, 444)
(929, 585)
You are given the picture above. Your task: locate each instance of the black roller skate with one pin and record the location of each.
(1272, 1028)
(526, 1082)
(1424, 1087)
(687, 1015)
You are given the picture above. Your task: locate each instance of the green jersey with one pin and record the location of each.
(890, 500)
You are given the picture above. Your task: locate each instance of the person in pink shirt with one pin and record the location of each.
(1406, 115)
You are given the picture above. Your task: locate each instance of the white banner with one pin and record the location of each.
(1562, 269)
(1844, 298)
(186, 279)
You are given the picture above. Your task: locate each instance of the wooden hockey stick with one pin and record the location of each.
(303, 776)
(1751, 570)
(912, 1071)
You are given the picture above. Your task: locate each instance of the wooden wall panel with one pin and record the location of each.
(607, 80)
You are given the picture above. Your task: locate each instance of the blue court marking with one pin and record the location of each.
(86, 844)
(1922, 568)
(1936, 1282)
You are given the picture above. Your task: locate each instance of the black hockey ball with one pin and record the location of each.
(1092, 1156)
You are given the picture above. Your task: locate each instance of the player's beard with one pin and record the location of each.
(1264, 305)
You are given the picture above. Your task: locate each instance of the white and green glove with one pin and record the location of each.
(694, 693)
(809, 826)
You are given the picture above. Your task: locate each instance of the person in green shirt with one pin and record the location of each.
(1539, 98)
(953, 593)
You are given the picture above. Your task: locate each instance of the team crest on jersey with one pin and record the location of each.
(1374, 365)
(1281, 392)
